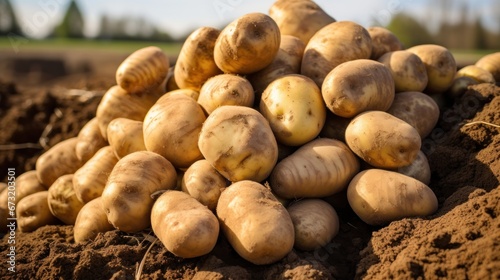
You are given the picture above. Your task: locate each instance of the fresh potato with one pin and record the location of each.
(383, 140)
(332, 45)
(248, 44)
(335, 126)
(255, 223)
(491, 63)
(226, 89)
(417, 109)
(127, 197)
(90, 221)
(319, 168)
(294, 107)
(195, 63)
(358, 86)
(440, 65)
(33, 212)
(299, 18)
(203, 183)
(145, 70)
(477, 73)
(379, 197)
(315, 222)
(89, 181)
(27, 183)
(90, 140)
(172, 127)
(460, 86)
(186, 227)
(407, 70)
(239, 143)
(185, 91)
(170, 83)
(383, 41)
(62, 200)
(125, 136)
(57, 161)
(418, 169)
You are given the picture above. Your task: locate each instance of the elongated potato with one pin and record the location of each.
(477, 73)
(195, 63)
(89, 181)
(171, 128)
(203, 183)
(127, 197)
(59, 160)
(255, 223)
(27, 183)
(383, 41)
(379, 197)
(336, 43)
(491, 63)
(358, 86)
(90, 140)
(91, 220)
(62, 200)
(294, 107)
(418, 169)
(186, 227)
(239, 143)
(33, 212)
(407, 69)
(383, 140)
(125, 136)
(319, 168)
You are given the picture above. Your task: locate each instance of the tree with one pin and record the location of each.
(8, 20)
(72, 24)
(409, 31)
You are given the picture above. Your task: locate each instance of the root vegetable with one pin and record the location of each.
(491, 63)
(62, 200)
(125, 136)
(477, 73)
(33, 212)
(90, 140)
(407, 69)
(418, 169)
(27, 183)
(91, 220)
(383, 41)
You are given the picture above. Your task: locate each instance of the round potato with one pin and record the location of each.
(491, 63)
(294, 107)
(125, 136)
(33, 212)
(418, 169)
(27, 183)
(477, 73)
(407, 70)
(62, 200)
(91, 220)
(383, 41)
(90, 140)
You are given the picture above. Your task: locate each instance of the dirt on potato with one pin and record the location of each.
(460, 241)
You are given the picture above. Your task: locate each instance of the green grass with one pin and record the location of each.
(465, 57)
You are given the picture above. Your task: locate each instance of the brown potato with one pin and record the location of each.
(407, 70)
(491, 63)
(460, 86)
(477, 73)
(418, 169)
(27, 183)
(383, 41)
(33, 212)
(90, 140)
(335, 126)
(91, 220)
(125, 136)
(62, 200)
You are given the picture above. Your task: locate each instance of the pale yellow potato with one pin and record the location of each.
(379, 197)
(383, 140)
(239, 143)
(187, 228)
(418, 169)
(172, 127)
(335, 43)
(90, 140)
(91, 220)
(185, 91)
(357, 86)
(407, 69)
(125, 136)
(62, 200)
(315, 222)
(491, 63)
(319, 168)
(33, 212)
(294, 107)
(383, 41)
(255, 223)
(248, 44)
(477, 73)
(27, 183)
(226, 89)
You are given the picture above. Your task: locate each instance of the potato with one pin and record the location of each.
(315, 222)
(33, 212)
(203, 183)
(440, 65)
(319, 168)
(89, 181)
(418, 169)
(336, 43)
(248, 44)
(90, 140)
(491, 63)
(477, 73)
(125, 136)
(127, 197)
(185, 91)
(143, 71)
(171, 128)
(170, 83)
(255, 223)
(383, 140)
(27, 183)
(226, 89)
(186, 227)
(460, 86)
(239, 143)
(294, 107)
(300, 18)
(358, 86)
(407, 70)
(62, 200)
(90, 221)
(59, 160)
(335, 126)
(195, 63)
(417, 109)
(383, 41)
(379, 197)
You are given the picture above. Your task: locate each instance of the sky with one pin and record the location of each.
(179, 18)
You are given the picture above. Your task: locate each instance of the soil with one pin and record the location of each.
(460, 241)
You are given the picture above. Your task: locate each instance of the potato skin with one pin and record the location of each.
(407, 69)
(383, 41)
(477, 73)
(490, 63)
(27, 183)
(418, 169)
(62, 200)
(358, 86)
(379, 197)
(125, 136)
(255, 223)
(90, 140)
(33, 212)
(186, 227)
(383, 140)
(319, 168)
(90, 221)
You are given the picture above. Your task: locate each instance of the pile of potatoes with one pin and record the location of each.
(249, 134)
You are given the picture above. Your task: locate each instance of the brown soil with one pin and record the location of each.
(460, 241)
